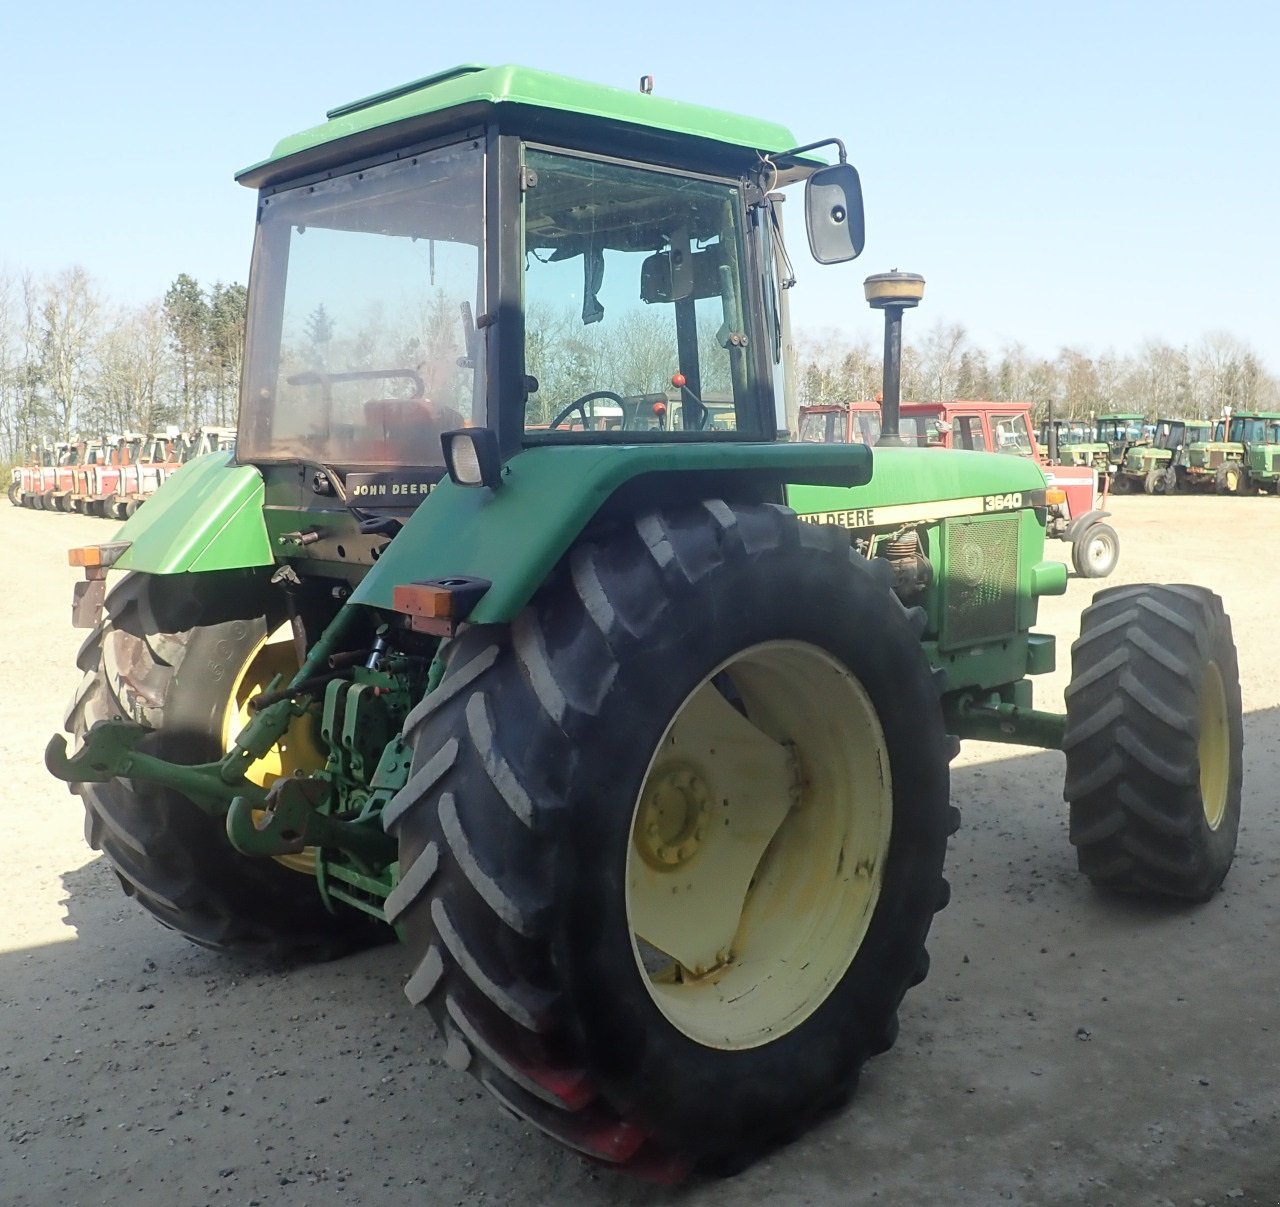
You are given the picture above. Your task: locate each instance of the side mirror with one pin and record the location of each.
(833, 214)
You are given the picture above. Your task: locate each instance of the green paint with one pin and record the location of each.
(919, 475)
(475, 91)
(955, 497)
(514, 535)
(1004, 722)
(207, 516)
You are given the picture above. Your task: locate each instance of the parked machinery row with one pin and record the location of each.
(111, 477)
(1238, 455)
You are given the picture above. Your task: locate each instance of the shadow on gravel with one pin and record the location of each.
(1068, 1047)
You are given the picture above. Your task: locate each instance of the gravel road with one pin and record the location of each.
(1066, 1048)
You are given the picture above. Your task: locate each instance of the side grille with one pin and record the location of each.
(981, 585)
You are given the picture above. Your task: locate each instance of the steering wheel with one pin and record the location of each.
(580, 404)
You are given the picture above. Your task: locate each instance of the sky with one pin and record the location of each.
(1086, 175)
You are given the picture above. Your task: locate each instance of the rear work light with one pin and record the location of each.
(471, 457)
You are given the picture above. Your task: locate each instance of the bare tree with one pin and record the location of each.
(69, 317)
(133, 389)
(938, 355)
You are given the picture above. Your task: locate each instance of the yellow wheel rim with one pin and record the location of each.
(296, 751)
(758, 844)
(1215, 747)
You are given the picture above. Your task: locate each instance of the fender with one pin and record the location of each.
(206, 516)
(513, 536)
(1080, 523)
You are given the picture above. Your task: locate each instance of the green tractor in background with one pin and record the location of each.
(1240, 456)
(1113, 436)
(1156, 468)
(630, 721)
(1261, 437)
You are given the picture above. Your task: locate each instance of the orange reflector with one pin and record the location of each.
(1055, 494)
(104, 555)
(438, 605)
(422, 599)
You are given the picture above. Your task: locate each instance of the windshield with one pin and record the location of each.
(362, 297)
(635, 304)
(1254, 431)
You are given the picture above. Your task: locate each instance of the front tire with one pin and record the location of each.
(1229, 478)
(1154, 742)
(1095, 552)
(180, 654)
(706, 763)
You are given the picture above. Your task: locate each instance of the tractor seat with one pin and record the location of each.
(406, 431)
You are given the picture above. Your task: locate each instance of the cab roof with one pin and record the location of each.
(471, 91)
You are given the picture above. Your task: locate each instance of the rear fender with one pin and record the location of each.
(513, 536)
(1080, 523)
(207, 516)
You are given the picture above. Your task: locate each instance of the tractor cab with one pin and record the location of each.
(1119, 432)
(508, 274)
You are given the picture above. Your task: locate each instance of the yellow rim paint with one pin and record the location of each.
(758, 844)
(1215, 747)
(296, 751)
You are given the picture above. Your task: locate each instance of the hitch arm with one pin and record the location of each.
(110, 750)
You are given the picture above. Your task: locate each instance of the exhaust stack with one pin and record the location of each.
(892, 292)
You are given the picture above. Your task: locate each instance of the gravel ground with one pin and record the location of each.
(1066, 1049)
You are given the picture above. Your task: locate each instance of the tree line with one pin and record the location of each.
(73, 365)
(1156, 380)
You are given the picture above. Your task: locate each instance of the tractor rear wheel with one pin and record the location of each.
(182, 655)
(673, 841)
(1154, 741)
(1095, 552)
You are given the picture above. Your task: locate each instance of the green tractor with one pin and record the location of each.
(1077, 444)
(1261, 438)
(1241, 455)
(633, 726)
(1157, 467)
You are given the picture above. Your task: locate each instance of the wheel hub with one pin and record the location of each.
(672, 817)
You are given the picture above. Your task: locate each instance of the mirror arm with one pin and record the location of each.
(813, 146)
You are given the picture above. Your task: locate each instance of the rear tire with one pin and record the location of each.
(168, 654)
(1095, 551)
(1154, 742)
(555, 783)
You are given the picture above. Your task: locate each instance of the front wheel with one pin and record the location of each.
(1229, 479)
(668, 862)
(1154, 482)
(1095, 552)
(1154, 741)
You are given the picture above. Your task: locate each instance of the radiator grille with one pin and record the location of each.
(981, 588)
